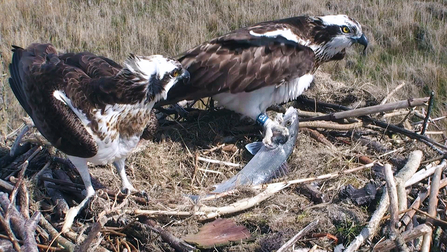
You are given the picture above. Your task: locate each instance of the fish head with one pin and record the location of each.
(290, 121)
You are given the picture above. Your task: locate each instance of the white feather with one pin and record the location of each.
(255, 102)
(286, 33)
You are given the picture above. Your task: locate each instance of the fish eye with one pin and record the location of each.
(345, 29)
(288, 123)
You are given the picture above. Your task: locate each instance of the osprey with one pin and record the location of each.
(272, 62)
(88, 106)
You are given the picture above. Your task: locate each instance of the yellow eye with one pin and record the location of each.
(345, 29)
(176, 73)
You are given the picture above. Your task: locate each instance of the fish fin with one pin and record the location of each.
(254, 147)
(282, 171)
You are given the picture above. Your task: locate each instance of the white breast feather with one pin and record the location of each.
(253, 103)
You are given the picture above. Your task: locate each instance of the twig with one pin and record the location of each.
(24, 200)
(406, 218)
(330, 125)
(423, 174)
(430, 216)
(16, 143)
(9, 232)
(392, 93)
(29, 241)
(394, 211)
(414, 160)
(96, 228)
(370, 110)
(5, 185)
(218, 162)
(300, 234)
(388, 245)
(56, 235)
(427, 116)
(174, 242)
(432, 205)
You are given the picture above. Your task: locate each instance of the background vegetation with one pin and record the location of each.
(408, 38)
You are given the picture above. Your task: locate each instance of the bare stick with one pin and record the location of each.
(434, 218)
(330, 125)
(423, 174)
(16, 144)
(392, 93)
(24, 200)
(9, 232)
(432, 205)
(427, 116)
(96, 228)
(394, 212)
(300, 234)
(218, 162)
(29, 241)
(389, 244)
(174, 242)
(372, 109)
(372, 226)
(5, 185)
(56, 235)
(414, 160)
(406, 218)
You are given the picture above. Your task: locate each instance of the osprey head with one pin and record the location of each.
(333, 34)
(158, 73)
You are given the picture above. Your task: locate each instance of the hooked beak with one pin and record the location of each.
(184, 77)
(363, 41)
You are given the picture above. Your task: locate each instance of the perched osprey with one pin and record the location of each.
(88, 106)
(272, 62)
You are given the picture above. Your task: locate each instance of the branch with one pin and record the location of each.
(389, 244)
(300, 234)
(369, 110)
(432, 205)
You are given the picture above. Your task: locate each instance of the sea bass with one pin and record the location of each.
(267, 163)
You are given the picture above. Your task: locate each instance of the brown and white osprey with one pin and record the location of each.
(88, 106)
(272, 62)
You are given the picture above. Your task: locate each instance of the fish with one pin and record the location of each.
(268, 162)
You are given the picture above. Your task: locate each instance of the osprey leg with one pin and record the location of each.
(270, 126)
(81, 166)
(127, 187)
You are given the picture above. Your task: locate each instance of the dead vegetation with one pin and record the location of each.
(407, 46)
(328, 182)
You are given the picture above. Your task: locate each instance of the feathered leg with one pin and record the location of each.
(127, 187)
(81, 166)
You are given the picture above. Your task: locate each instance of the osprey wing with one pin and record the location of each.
(244, 60)
(39, 80)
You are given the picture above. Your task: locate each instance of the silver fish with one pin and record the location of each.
(267, 163)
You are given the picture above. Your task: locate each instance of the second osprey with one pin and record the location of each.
(272, 62)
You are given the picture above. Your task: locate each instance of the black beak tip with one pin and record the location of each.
(186, 77)
(363, 41)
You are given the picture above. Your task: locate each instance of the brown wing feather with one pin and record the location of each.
(239, 62)
(40, 73)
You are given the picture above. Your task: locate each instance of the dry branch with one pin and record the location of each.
(432, 206)
(394, 211)
(414, 160)
(388, 245)
(330, 125)
(176, 243)
(300, 234)
(392, 93)
(406, 218)
(371, 109)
